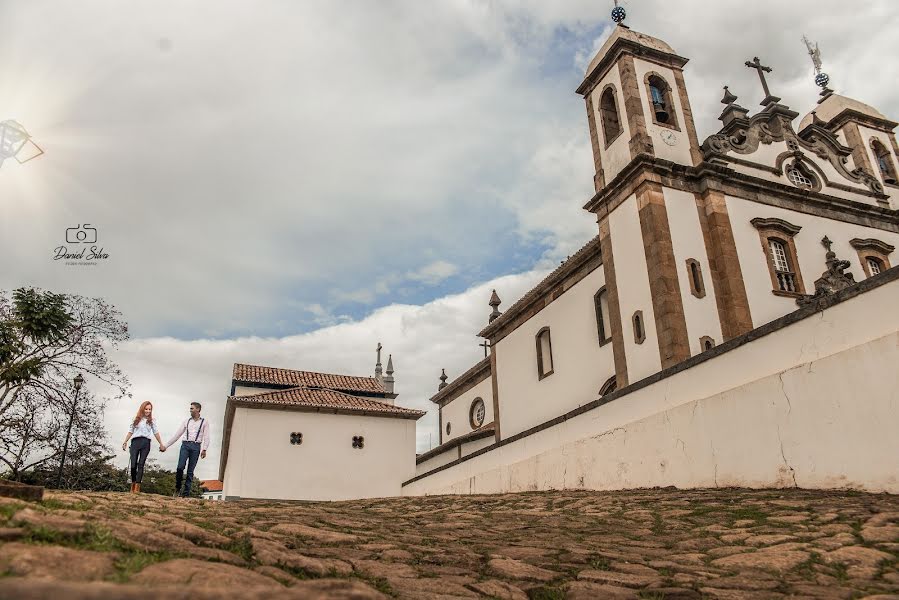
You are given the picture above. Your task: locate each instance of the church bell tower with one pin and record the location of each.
(637, 103)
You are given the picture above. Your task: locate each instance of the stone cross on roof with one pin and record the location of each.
(756, 64)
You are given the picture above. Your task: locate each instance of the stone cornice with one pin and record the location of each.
(484, 431)
(463, 383)
(622, 46)
(776, 224)
(719, 177)
(871, 244)
(860, 118)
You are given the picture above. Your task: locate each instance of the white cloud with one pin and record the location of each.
(433, 273)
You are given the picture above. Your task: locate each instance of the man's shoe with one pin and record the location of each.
(137, 488)
(132, 488)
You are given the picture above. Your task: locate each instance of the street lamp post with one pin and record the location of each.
(78, 381)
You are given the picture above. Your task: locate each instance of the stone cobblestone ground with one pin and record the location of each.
(722, 543)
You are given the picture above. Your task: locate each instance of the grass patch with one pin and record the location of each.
(840, 571)
(749, 513)
(379, 583)
(600, 563)
(242, 547)
(651, 595)
(658, 526)
(131, 563)
(54, 504)
(807, 569)
(8, 510)
(546, 593)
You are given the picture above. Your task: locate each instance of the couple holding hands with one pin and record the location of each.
(194, 436)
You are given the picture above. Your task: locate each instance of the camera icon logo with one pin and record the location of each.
(81, 235)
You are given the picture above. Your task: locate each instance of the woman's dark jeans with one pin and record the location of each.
(140, 449)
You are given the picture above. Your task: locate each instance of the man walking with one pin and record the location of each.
(194, 436)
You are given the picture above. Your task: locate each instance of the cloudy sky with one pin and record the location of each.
(288, 183)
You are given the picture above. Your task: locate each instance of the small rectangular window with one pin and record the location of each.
(544, 354)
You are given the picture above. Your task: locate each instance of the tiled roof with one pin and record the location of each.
(541, 288)
(276, 376)
(328, 399)
(478, 373)
(212, 485)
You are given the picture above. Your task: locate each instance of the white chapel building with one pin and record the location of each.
(734, 322)
(315, 436)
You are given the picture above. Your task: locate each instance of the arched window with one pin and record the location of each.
(609, 386)
(608, 111)
(544, 354)
(780, 258)
(885, 162)
(873, 254)
(603, 324)
(660, 100)
(706, 342)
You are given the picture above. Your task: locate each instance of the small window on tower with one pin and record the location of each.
(603, 324)
(697, 285)
(639, 329)
(544, 354)
(608, 111)
(885, 162)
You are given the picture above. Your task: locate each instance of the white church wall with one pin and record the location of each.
(680, 151)
(763, 304)
(687, 240)
(580, 364)
(633, 292)
(618, 154)
(268, 466)
(813, 404)
(439, 460)
(471, 447)
(456, 412)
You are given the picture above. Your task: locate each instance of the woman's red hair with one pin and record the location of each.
(140, 413)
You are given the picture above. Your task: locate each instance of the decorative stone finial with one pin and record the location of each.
(729, 98)
(389, 381)
(443, 379)
(618, 13)
(834, 278)
(494, 302)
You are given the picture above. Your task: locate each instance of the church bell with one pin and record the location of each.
(661, 113)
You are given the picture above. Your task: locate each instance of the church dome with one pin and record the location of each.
(622, 32)
(835, 104)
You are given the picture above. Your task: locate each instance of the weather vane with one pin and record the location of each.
(821, 78)
(618, 13)
(16, 143)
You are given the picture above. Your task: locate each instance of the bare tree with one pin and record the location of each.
(45, 340)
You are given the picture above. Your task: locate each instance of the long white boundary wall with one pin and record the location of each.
(814, 404)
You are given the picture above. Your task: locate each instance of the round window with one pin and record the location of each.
(476, 413)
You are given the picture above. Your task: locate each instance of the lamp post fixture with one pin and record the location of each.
(16, 142)
(77, 382)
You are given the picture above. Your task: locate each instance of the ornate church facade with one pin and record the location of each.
(734, 322)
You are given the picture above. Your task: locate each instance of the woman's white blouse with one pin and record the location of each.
(143, 429)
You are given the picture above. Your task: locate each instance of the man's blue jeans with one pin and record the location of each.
(190, 454)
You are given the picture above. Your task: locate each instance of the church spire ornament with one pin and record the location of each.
(756, 64)
(618, 13)
(821, 78)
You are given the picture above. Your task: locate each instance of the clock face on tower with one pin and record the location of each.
(669, 137)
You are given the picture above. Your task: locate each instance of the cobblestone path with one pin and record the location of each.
(722, 543)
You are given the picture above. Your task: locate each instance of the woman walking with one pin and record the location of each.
(139, 433)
